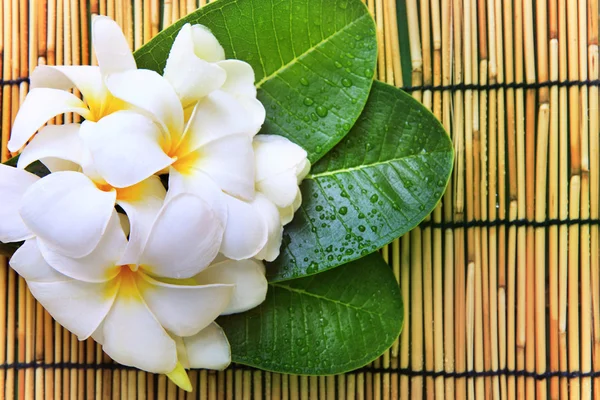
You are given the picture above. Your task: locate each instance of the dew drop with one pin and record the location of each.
(308, 101)
(361, 228)
(304, 81)
(343, 210)
(337, 64)
(374, 198)
(319, 208)
(346, 82)
(322, 111)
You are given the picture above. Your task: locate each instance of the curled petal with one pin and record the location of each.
(229, 161)
(100, 265)
(276, 154)
(206, 45)
(13, 185)
(184, 310)
(287, 213)
(248, 277)
(184, 239)
(141, 202)
(111, 48)
(131, 334)
(40, 105)
(85, 78)
(125, 148)
(152, 94)
(30, 264)
(280, 189)
(208, 348)
(68, 212)
(191, 76)
(246, 231)
(270, 214)
(240, 78)
(58, 142)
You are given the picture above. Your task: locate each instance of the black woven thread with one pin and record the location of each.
(452, 87)
(504, 222)
(400, 371)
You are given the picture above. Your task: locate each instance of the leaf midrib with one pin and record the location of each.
(364, 166)
(307, 52)
(304, 292)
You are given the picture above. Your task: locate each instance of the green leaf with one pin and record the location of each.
(330, 324)
(383, 179)
(314, 61)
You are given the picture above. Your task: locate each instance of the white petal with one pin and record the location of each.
(98, 266)
(276, 154)
(56, 142)
(246, 231)
(240, 78)
(29, 263)
(208, 348)
(111, 48)
(78, 306)
(151, 93)
(181, 351)
(191, 77)
(68, 212)
(229, 162)
(125, 148)
(141, 202)
(184, 310)
(40, 105)
(217, 115)
(13, 184)
(199, 184)
(57, 165)
(132, 336)
(256, 111)
(85, 78)
(184, 239)
(287, 213)
(281, 189)
(270, 214)
(249, 279)
(206, 45)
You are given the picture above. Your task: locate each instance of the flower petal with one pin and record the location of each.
(248, 277)
(132, 336)
(151, 93)
(40, 105)
(14, 183)
(199, 184)
(100, 265)
(287, 213)
(125, 147)
(180, 377)
(54, 141)
(141, 202)
(206, 45)
(184, 239)
(111, 48)
(208, 348)
(276, 154)
(29, 263)
(68, 212)
(240, 78)
(280, 189)
(246, 231)
(270, 214)
(217, 115)
(184, 310)
(229, 162)
(191, 77)
(78, 306)
(87, 79)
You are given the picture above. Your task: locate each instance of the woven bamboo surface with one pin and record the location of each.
(501, 286)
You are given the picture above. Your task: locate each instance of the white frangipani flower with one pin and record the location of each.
(50, 85)
(13, 184)
(280, 167)
(140, 312)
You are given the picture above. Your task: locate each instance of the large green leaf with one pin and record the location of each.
(330, 324)
(383, 179)
(314, 61)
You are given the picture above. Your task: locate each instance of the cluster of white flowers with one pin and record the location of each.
(110, 252)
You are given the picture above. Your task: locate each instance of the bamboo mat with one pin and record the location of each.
(501, 286)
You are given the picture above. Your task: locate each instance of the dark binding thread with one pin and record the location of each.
(509, 223)
(452, 87)
(373, 370)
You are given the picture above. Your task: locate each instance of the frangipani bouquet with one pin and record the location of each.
(156, 225)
